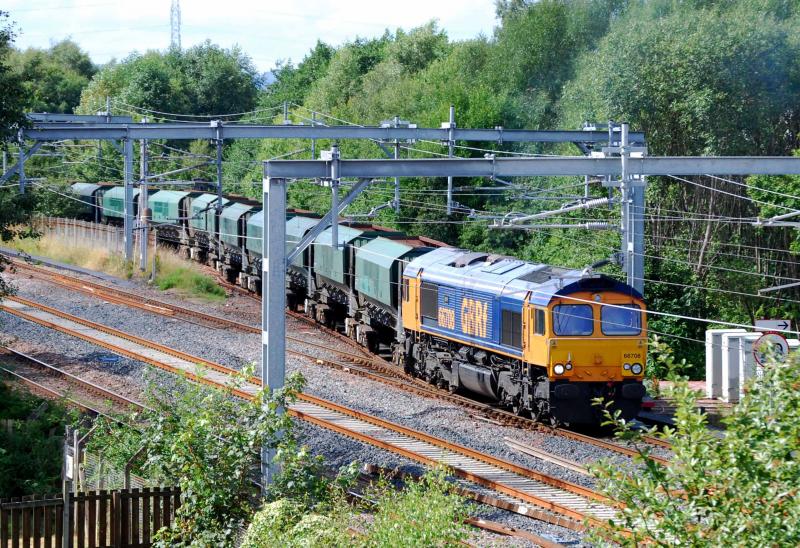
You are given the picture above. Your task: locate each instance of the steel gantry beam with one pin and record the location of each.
(46, 131)
(630, 169)
(533, 167)
(57, 127)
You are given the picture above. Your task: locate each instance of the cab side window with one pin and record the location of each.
(405, 290)
(538, 322)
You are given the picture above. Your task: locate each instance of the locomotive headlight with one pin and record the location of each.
(626, 367)
(569, 366)
(558, 369)
(636, 369)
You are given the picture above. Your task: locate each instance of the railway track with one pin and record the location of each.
(90, 392)
(49, 392)
(362, 363)
(575, 503)
(52, 371)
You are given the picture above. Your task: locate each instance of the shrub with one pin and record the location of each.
(30, 449)
(207, 443)
(425, 513)
(738, 487)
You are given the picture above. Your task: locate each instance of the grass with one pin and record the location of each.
(172, 272)
(62, 250)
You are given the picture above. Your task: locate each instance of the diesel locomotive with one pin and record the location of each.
(533, 338)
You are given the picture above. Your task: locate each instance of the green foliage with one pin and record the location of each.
(190, 282)
(424, 513)
(14, 208)
(204, 79)
(53, 78)
(661, 361)
(12, 93)
(30, 450)
(292, 83)
(283, 523)
(712, 78)
(537, 45)
(737, 487)
(302, 479)
(207, 443)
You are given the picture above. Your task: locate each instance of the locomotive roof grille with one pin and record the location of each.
(544, 274)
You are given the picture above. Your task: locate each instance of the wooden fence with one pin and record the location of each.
(97, 519)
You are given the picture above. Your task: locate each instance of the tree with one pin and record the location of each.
(12, 93)
(204, 79)
(292, 83)
(13, 207)
(30, 456)
(53, 78)
(735, 487)
(696, 77)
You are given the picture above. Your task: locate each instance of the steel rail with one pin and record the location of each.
(191, 363)
(123, 335)
(433, 440)
(399, 443)
(47, 392)
(545, 456)
(155, 306)
(500, 529)
(88, 386)
(507, 504)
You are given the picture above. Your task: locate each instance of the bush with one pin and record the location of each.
(738, 487)
(207, 443)
(30, 450)
(425, 513)
(189, 282)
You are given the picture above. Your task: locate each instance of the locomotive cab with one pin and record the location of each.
(593, 344)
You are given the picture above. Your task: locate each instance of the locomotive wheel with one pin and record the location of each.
(516, 407)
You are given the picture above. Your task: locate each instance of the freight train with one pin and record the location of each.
(533, 338)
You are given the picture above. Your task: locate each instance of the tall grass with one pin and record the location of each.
(172, 272)
(66, 251)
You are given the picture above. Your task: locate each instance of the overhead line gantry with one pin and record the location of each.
(122, 131)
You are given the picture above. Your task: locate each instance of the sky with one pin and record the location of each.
(267, 30)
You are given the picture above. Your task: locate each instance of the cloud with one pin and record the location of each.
(266, 30)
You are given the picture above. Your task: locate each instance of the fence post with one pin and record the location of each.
(67, 488)
(129, 465)
(116, 519)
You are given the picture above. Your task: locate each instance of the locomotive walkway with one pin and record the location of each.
(566, 499)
